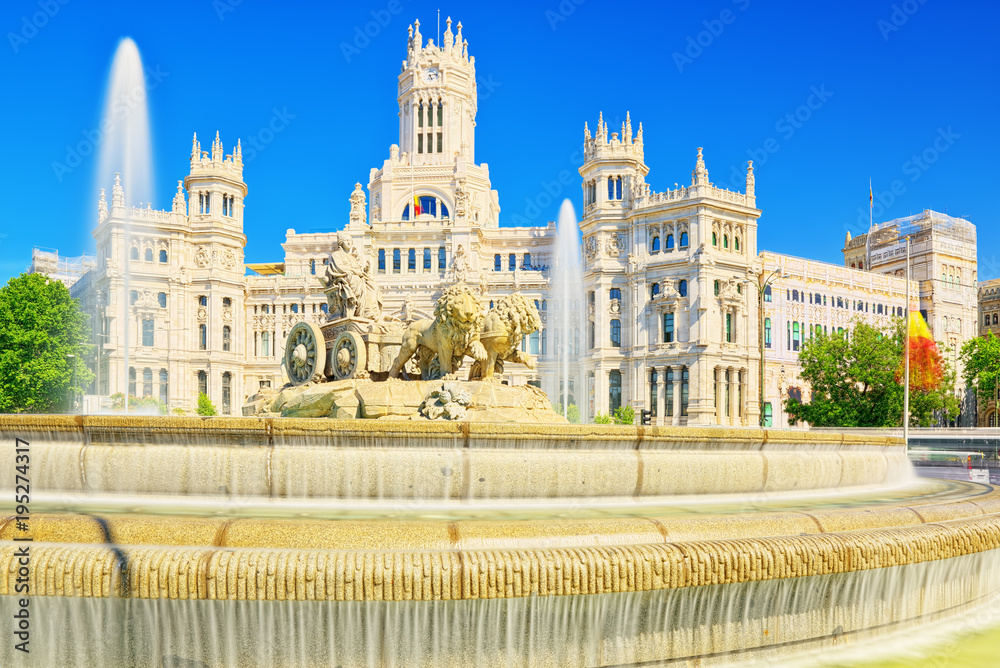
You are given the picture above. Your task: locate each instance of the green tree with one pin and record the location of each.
(572, 412)
(40, 325)
(603, 418)
(205, 406)
(981, 361)
(624, 415)
(138, 404)
(854, 382)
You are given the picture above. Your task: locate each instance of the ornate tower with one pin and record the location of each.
(437, 99)
(216, 187)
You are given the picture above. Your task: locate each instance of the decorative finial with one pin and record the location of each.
(627, 133)
(750, 179)
(586, 131)
(700, 174)
(638, 137)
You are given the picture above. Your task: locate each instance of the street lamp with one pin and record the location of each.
(763, 282)
(72, 389)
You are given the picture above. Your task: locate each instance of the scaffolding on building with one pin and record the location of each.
(68, 270)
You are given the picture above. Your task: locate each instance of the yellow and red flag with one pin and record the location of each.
(416, 206)
(926, 368)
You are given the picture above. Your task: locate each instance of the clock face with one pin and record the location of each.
(431, 74)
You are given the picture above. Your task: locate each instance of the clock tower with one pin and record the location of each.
(431, 177)
(437, 99)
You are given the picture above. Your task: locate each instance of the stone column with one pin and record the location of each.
(677, 397)
(717, 388)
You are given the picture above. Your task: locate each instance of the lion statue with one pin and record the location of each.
(448, 338)
(513, 318)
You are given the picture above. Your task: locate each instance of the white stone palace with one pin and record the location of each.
(670, 278)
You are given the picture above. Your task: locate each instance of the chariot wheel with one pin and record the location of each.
(349, 357)
(305, 353)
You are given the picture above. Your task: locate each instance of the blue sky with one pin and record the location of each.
(822, 96)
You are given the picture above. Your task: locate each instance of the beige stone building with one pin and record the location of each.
(989, 323)
(669, 307)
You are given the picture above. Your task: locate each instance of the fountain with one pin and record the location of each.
(567, 282)
(126, 153)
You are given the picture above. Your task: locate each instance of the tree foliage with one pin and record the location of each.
(205, 406)
(624, 415)
(981, 362)
(603, 418)
(143, 405)
(40, 324)
(854, 384)
(572, 412)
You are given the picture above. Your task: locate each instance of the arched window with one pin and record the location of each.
(149, 255)
(133, 254)
(265, 344)
(668, 327)
(164, 386)
(381, 261)
(767, 332)
(655, 246)
(147, 382)
(147, 332)
(511, 262)
(795, 295)
(853, 266)
(992, 419)
(396, 261)
(427, 259)
(614, 390)
(442, 259)
(616, 333)
(670, 242)
(615, 293)
(162, 299)
(202, 382)
(725, 241)
(994, 318)
(682, 288)
(715, 285)
(736, 243)
(767, 293)
(534, 341)
(226, 338)
(163, 256)
(611, 188)
(715, 239)
(131, 381)
(411, 260)
(684, 239)
(654, 290)
(796, 333)
(730, 332)
(861, 265)
(497, 262)
(227, 393)
(545, 305)
(202, 337)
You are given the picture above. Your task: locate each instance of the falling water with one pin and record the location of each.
(568, 289)
(125, 149)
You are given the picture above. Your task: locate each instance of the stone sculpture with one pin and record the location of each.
(351, 290)
(513, 318)
(453, 333)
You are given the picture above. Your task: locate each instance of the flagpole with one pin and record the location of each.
(906, 355)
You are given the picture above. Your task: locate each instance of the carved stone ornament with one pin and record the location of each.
(229, 258)
(590, 246)
(202, 257)
(616, 245)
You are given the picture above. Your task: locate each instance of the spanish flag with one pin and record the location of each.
(416, 206)
(871, 198)
(926, 368)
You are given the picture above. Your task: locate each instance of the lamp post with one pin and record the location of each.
(72, 388)
(763, 282)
